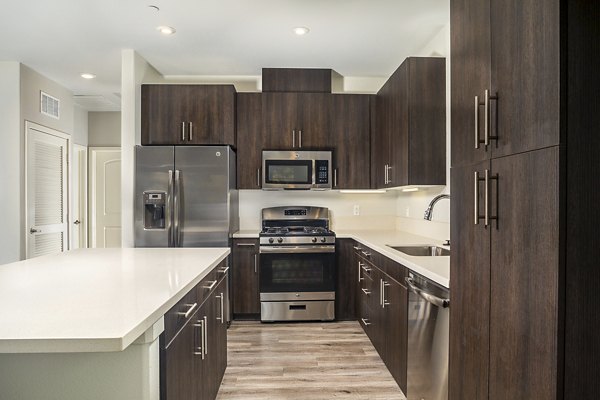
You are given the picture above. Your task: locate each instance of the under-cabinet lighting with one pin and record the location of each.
(365, 191)
(410, 189)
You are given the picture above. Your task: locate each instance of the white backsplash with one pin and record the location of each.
(377, 210)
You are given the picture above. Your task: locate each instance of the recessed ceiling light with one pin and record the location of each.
(166, 30)
(87, 75)
(301, 30)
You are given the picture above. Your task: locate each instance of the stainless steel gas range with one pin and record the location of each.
(297, 265)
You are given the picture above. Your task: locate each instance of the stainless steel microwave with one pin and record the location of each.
(296, 170)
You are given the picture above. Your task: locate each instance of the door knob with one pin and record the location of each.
(76, 222)
(33, 230)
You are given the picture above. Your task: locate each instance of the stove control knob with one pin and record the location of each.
(323, 240)
(279, 240)
(314, 240)
(271, 240)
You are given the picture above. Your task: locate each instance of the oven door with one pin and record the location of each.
(298, 270)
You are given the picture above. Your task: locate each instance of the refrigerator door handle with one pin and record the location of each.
(170, 210)
(177, 208)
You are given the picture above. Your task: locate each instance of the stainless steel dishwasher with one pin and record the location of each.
(428, 336)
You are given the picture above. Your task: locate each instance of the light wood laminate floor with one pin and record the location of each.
(304, 361)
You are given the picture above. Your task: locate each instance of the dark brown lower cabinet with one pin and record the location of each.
(346, 280)
(193, 362)
(382, 305)
(244, 283)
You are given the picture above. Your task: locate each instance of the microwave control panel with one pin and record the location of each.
(322, 171)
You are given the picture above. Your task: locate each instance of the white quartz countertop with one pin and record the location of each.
(94, 300)
(435, 268)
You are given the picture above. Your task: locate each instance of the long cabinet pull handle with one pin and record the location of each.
(365, 268)
(205, 338)
(477, 141)
(220, 297)
(293, 138)
(476, 181)
(385, 175)
(183, 131)
(211, 286)
(256, 263)
(199, 350)
(191, 131)
(190, 310)
(245, 245)
(357, 248)
(360, 278)
(487, 180)
(487, 121)
(384, 302)
(224, 270)
(300, 139)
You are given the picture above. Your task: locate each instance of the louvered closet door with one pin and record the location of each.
(46, 193)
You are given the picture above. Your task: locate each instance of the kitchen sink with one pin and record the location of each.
(422, 250)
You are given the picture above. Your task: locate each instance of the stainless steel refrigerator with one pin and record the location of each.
(185, 196)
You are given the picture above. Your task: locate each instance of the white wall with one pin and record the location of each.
(80, 126)
(10, 154)
(104, 129)
(134, 71)
(377, 210)
(411, 205)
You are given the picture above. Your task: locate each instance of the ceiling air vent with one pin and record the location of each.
(50, 106)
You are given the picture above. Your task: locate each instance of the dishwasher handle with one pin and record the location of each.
(437, 301)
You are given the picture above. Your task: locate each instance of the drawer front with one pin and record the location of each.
(180, 314)
(210, 282)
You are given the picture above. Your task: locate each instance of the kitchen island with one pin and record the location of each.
(85, 324)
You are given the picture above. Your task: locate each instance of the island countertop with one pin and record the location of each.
(94, 300)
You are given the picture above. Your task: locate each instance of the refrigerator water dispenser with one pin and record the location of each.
(154, 210)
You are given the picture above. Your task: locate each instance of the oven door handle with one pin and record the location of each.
(296, 249)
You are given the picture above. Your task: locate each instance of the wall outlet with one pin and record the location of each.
(356, 210)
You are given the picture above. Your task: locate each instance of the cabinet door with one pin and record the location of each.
(210, 109)
(249, 140)
(470, 277)
(314, 111)
(399, 132)
(279, 116)
(350, 135)
(218, 336)
(396, 329)
(524, 277)
(470, 77)
(163, 113)
(380, 138)
(346, 281)
(525, 74)
(178, 362)
(245, 272)
(379, 325)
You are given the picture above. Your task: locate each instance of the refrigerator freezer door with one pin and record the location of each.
(203, 196)
(154, 169)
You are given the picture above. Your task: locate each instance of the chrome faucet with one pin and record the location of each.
(429, 211)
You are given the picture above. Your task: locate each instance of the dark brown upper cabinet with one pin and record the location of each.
(505, 82)
(250, 140)
(409, 142)
(296, 120)
(188, 114)
(300, 80)
(350, 135)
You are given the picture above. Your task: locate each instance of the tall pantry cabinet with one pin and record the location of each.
(525, 123)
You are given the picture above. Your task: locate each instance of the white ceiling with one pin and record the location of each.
(63, 38)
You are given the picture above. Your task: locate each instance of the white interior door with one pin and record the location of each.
(47, 190)
(79, 197)
(105, 197)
